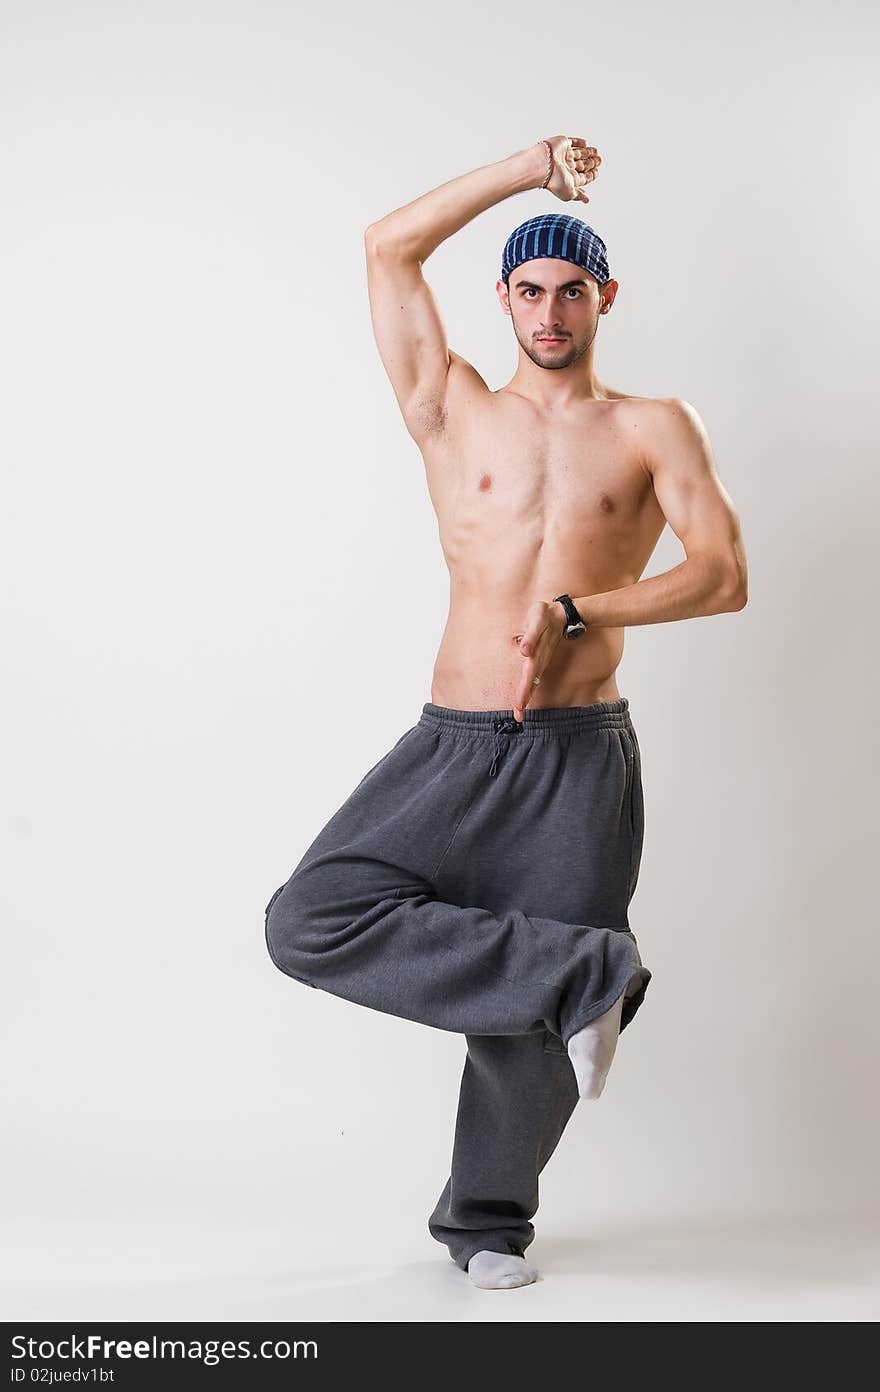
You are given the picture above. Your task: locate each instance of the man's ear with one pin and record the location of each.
(503, 295)
(609, 292)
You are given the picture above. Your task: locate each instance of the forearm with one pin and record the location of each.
(698, 587)
(419, 227)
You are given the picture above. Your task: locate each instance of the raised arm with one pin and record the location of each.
(407, 326)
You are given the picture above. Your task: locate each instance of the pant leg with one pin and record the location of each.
(515, 1100)
(360, 916)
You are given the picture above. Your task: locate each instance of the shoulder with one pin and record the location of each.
(662, 410)
(661, 423)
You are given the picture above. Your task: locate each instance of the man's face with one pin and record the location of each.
(555, 308)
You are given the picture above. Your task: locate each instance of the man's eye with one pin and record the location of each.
(572, 290)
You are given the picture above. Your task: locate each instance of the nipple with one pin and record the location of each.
(485, 482)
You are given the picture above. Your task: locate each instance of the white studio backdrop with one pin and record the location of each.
(218, 554)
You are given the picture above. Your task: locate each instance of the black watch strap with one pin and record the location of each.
(575, 626)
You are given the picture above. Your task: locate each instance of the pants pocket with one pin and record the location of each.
(636, 806)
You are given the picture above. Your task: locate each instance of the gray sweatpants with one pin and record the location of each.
(478, 879)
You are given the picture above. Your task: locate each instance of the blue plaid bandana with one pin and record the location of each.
(556, 234)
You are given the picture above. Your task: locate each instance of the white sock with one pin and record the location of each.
(500, 1270)
(591, 1050)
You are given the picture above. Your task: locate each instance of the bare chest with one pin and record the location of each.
(507, 480)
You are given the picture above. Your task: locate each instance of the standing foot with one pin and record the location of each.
(500, 1271)
(591, 1050)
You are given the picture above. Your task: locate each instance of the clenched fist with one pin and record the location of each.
(575, 164)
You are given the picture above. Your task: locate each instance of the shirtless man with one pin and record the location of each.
(478, 877)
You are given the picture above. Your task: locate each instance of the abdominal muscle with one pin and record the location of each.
(478, 665)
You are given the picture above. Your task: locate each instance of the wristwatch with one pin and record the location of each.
(575, 627)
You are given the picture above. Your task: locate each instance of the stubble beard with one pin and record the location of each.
(555, 358)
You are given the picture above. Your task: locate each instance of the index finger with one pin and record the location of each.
(527, 684)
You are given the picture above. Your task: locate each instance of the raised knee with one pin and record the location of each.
(286, 930)
(273, 924)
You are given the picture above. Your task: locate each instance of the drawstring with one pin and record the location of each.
(504, 724)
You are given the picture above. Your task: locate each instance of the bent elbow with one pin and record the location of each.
(729, 591)
(376, 236)
(737, 596)
(371, 234)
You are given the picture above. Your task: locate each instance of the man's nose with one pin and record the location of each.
(552, 317)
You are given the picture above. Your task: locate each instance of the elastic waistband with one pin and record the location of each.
(546, 720)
